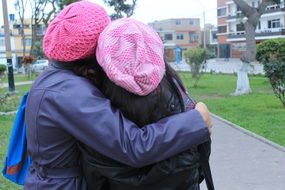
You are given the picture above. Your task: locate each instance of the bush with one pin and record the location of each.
(2, 68)
(271, 54)
(196, 58)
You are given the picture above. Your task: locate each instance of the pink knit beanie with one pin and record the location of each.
(131, 54)
(73, 34)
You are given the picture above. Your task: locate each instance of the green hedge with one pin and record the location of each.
(271, 53)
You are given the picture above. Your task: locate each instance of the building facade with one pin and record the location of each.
(3, 59)
(17, 43)
(231, 32)
(211, 39)
(178, 34)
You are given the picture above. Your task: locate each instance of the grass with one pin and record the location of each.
(6, 123)
(260, 112)
(19, 78)
(12, 101)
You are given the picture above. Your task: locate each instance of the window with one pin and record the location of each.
(214, 36)
(19, 26)
(178, 22)
(28, 42)
(222, 29)
(194, 37)
(240, 27)
(259, 26)
(168, 37)
(238, 9)
(40, 29)
(2, 42)
(179, 36)
(275, 23)
(192, 22)
(222, 12)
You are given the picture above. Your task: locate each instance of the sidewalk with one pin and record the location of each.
(221, 66)
(5, 85)
(241, 160)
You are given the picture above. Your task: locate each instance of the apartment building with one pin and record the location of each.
(17, 44)
(231, 33)
(211, 39)
(3, 59)
(178, 34)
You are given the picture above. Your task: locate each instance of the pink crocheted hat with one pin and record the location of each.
(73, 34)
(131, 54)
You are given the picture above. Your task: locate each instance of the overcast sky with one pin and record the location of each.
(151, 10)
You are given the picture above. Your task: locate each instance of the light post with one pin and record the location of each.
(204, 33)
(8, 48)
(204, 23)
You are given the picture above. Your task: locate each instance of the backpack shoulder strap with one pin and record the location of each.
(203, 150)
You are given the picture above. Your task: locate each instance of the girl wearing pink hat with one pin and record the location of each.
(64, 108)
(145, 89)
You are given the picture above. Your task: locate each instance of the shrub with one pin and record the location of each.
(28, 59)
(2, 68)
(196, 58)
(271, 54)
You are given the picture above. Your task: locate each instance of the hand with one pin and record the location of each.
(203, 110)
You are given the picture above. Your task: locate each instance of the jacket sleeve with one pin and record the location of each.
(89, 117)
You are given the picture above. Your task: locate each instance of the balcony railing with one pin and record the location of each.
(269, 9)
(275, 8)
(268, 32)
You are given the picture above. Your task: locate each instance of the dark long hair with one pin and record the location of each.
(88, 68)
(165, 100)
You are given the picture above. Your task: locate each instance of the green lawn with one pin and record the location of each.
(260, 112)
(20, 78)
(12, 101)
(6, 123)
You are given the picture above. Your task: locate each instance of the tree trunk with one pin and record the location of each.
(253, 15)
(243, 85)
(250, 42)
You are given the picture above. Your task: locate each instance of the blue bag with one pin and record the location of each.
(17, 161)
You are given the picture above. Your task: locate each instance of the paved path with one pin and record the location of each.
(240, 161)
(5, 85)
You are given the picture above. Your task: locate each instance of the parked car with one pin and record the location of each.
(40, 65)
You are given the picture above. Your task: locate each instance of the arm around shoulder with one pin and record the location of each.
(90, 118)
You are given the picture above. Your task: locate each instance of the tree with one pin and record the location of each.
(271, 53)
(41, 15)
(42, 11)
(62, 3)
(253, 15)
(20, 6)
(196, 58)
(2, 70)
(121, 8)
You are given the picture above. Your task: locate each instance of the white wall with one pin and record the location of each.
(3, 58)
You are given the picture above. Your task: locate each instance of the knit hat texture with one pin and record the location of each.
(131, 54)
(73, 34)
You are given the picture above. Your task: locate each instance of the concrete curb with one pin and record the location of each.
(8, 113)
(249, 133)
